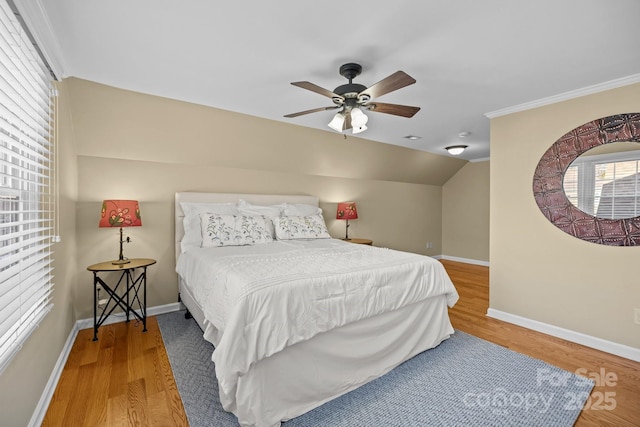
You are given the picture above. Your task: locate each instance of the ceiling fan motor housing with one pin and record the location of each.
(350, 70)
(349, 90)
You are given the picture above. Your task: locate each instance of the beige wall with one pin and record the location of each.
(465, 213)
(143, 147)
(24, 380)
(538, 271)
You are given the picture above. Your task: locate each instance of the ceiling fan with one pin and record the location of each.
(352, 98)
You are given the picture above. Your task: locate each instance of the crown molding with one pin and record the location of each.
(589, 90)
(39, 25)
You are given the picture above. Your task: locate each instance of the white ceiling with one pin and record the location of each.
(469, 57)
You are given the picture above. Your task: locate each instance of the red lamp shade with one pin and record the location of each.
(120, 213)
(347, 210)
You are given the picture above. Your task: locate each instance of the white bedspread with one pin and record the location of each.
(257, 300)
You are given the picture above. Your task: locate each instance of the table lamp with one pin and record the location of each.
(120, 213)
(347, 210)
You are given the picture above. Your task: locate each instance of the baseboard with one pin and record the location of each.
(569, 335)
(465, 260)
(50, 388)
(120, 317)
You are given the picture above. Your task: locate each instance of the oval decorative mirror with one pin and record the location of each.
(599, 213)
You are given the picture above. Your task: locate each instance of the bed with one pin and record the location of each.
(302, 319)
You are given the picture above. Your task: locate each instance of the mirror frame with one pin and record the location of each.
(549, 175)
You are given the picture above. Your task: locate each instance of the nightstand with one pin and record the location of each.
(360, 241)
(130, 286)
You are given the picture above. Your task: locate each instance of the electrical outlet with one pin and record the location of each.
(636, 317)
(429, 245)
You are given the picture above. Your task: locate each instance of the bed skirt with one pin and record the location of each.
(310, 373)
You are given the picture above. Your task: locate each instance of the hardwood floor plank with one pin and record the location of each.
(75, 414)
(135, 355)
(158, 413)
(96, 406)
(137, 409)
(117, 411)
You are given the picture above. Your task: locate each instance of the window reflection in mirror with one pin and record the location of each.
(605, 181)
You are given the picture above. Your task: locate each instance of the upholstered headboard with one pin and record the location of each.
(256, 199)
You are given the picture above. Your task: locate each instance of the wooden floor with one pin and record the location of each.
(124, 378)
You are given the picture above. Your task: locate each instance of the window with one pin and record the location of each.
(605, 185)
(27, 186)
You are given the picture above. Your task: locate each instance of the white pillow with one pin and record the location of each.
(192, 230)
(272, 211)
(300, 209)
(247, 208)
(300, 227)
(234, 230)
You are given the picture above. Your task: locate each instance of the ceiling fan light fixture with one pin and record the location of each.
(358, 118)
(455, 150)
(337, 122)
(358, 129)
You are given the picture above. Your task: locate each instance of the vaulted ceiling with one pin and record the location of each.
(469, 57)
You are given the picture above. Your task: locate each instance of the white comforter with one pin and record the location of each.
(257, 300)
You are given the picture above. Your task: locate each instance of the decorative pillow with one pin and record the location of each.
(300, 209)
(300, 227)
(234, 230)
(272, 211)
(192, 230)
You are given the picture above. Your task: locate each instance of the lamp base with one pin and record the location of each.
(121, 259)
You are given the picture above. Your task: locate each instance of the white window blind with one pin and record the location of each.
(27, 186)
(606, 186)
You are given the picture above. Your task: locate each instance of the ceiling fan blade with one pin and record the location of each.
(317, 89)
(395, 109)
(315, 110)
(395, 81)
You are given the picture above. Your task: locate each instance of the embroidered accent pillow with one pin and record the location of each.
(234, 230)
(273, 211)
(192, 229)
(300, 227)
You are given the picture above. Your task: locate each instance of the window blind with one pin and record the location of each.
(27, 186)
(606, 186)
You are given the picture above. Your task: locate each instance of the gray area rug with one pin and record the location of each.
(465, 381)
